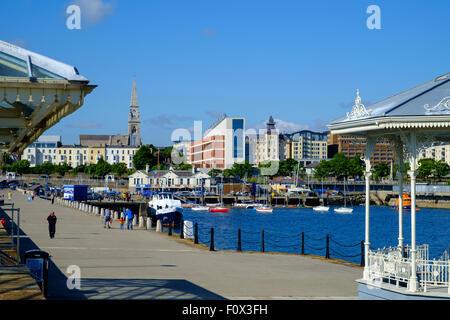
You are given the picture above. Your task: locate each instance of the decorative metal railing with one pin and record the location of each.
(434, 273)
(394, 265)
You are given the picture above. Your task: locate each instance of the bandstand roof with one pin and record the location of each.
(425, 107)
(36, 92)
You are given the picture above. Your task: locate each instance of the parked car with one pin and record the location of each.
(95, 196)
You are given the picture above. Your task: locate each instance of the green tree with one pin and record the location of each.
(340, 166)
(184, 166)
(355, 167)
(102, 168)
(441, 169)
(143, 157)
(214, 173)
(322, 170)
(47, 168)
(381, 170)
(426, 168)
(242, 169)
(288, 167)
(62, 169)
(119, 169)
(20, 167)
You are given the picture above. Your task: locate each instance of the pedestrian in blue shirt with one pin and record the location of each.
(129, 216)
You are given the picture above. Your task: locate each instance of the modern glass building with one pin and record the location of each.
(222, 145)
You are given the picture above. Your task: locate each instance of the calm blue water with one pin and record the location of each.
(283, 229)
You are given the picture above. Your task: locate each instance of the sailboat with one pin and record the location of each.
(344, 209)
(322, 207)
(265, 208)
(219, 208)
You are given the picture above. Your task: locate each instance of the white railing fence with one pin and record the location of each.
(393, 265)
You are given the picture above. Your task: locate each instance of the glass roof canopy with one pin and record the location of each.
(35, 93)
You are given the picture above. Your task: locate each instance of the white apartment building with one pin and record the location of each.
(168, 179)
(116, 154)
(42, 150)
(263, 147)
(437, 152)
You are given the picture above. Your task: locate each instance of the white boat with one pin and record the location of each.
(200, 208)
(164, 206)
(343, 210)
(248, 205)
(321, 208)
(264, 209)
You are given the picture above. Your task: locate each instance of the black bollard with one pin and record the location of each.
(303, 243)
(239, 248)
(362, 253)
(262, 241)
(196, 233)
(170, 227)
(327, 253)
(211, 245)
(182, 229)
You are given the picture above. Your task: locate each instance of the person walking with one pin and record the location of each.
(129, 216)
(108, 218)
(9, 196)
(51, 220)
(52, 197)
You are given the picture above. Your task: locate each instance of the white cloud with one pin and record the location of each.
(93, 11)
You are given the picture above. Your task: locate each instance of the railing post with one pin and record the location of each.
(12, 226)
(327, 253)
(262, 241)
(239, 247)
(303, 243)
(362, 253)
(18, 236)
(211, 245)
(196, 233)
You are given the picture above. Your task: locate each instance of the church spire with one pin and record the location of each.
(134, 98)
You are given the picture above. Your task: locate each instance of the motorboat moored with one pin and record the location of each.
(321, 208)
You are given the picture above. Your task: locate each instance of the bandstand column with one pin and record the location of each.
(400, 199)
(367, 175)
(413, 283)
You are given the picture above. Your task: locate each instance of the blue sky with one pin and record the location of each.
(300, 61)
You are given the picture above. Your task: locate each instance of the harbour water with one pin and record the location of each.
(283, 228)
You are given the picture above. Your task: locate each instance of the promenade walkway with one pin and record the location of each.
(141, 264)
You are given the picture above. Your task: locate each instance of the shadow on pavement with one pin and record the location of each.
(56, 279)
(128, 289)
(114, 289)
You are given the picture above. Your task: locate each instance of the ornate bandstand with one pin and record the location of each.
(411, 121)
(35, 93)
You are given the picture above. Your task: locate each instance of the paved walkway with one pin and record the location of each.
(140, 264)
